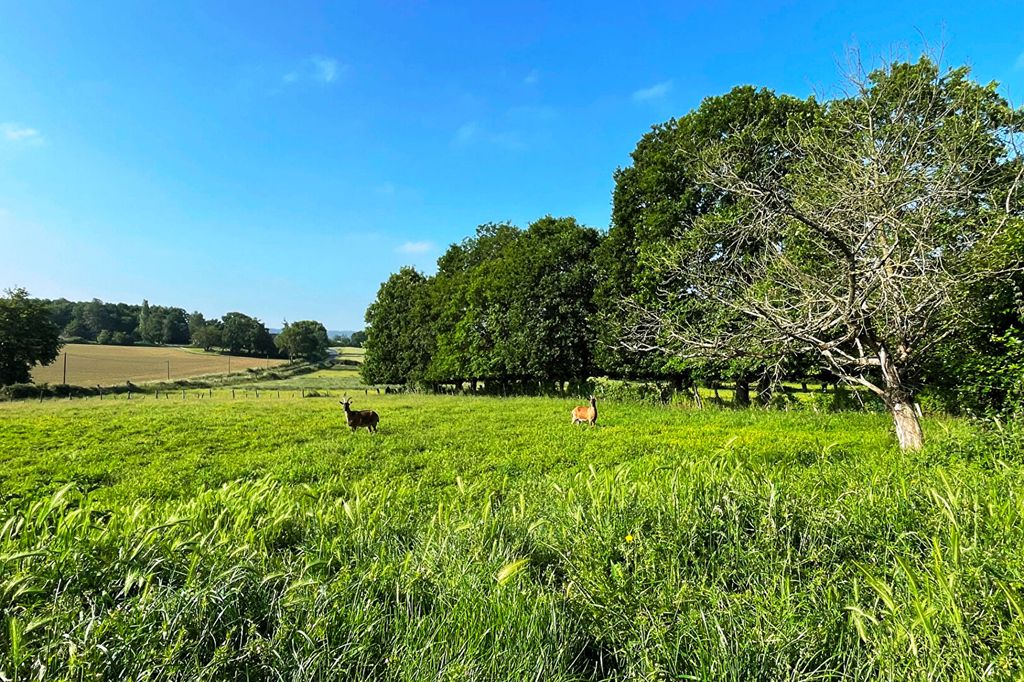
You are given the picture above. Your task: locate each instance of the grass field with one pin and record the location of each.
(91, 365)
(487, 539)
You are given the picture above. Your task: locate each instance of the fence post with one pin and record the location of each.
(182, 394)
(232, 394)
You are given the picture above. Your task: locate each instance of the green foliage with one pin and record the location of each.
(508, 305)
(655, 203)
(355, 341)
(260, 539)
(399, 332)
(27, 336)
(305, 339)
(245, 335)
(209, 335)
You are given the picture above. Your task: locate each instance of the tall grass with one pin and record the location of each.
(662, 545)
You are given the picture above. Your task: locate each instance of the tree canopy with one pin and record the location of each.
(27, 336)
(858, 242)
(874, 238)
(306, 340)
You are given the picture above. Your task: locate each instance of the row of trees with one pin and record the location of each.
(237, 333)
(507, 305)
(31, 331)
(875, 238)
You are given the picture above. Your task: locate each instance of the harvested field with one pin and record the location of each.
(91, 365)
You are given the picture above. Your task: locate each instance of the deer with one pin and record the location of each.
(360, 418)
(584, 414)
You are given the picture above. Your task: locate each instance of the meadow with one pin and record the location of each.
(92, 365)
(486, 538)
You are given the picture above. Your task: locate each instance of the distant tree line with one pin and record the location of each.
(355, 340)
(236, 333)
(874, 239)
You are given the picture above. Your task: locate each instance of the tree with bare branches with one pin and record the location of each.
(859, 242)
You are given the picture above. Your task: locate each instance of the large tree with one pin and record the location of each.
(305, 339)
(399, 332)
(656, 200)
(859, 244)
(515, 305)
(27, 336)
(243, 334)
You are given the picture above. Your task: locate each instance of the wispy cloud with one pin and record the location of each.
(415, 247)
(326, 70)
(472, 132)
(656, 91)
(1019, 64)
(532, 78)
(316, 69)
(466, 133)
(15, 132)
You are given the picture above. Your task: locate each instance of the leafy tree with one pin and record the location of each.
(76, 328)
(471, 316)
(208, 336)
(399, 333)
(196, 321)
(27, 336)
(358, 339)
(879, 215)
(655, 202)
(243, 334)
(305, 339)
(175, 327)
(150, 324)
(236, 332)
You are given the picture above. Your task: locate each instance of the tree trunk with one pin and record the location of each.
(696, 397)
(901, 406)
(741, 397)
(908, 427)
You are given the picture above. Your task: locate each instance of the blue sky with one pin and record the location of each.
(281, 160)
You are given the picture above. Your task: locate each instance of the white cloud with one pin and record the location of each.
(325, 70)
(656, 91)
(1019, 64)
(14, 132)
(532, 78)
(466, 133)
(316, 69)
(416, 247)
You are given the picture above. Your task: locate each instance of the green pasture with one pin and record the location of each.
(488, 539)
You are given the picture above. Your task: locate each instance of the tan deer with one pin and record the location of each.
(584, 414)
(360, 418)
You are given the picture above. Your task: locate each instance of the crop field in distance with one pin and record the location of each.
(488, 539)
(91, 365)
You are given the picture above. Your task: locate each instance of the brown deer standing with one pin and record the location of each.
(586, 414)
(360, 418)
